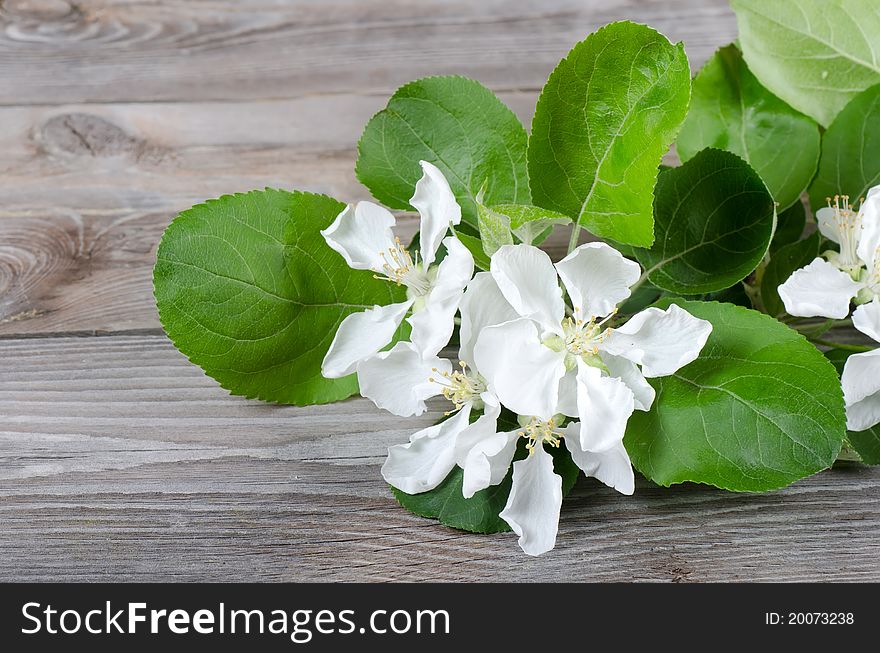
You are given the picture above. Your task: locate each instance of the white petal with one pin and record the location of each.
(426, 460)
(482, 305)
(399, 380)
(568, 394)
(611, 466)
(362, 235)
(597, 278)
(604, 407)
(360, 336)
(485, 426)
(432, 325)
(523, 373)
(861, 390)
(629, 373)
(532, 509)
(437, 207)
(866, 318)
(488, 462)
(869, 239)
(527, 279)
(818, 290)
(483, 453)
(827, 222)
(660, 341)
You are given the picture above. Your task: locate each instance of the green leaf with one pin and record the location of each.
(475, 247)
(736, 295)
(759, 409)
(249, 291)
(494, 229)
(789, 226)
(865, 443)
(786, 260)
(604, 119)
(640, 299)
(730, 110)
(458, 125)
(479, 514)
(814, 54)
(714, 220)
(850, 162)
(531, 224)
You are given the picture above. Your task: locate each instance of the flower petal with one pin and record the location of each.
(487, 462)
(483, 453)
(818, 290)
(362, 236)
(660, 341)
(482, 305)
(527, 279)
(869, 239)
(861, 390)
(611, 466)
(866, 318)
(597, 278)
(523, 373)
(827, 222)
(399, 380)
(437, 207)
(568, 394)
(629, 373)
(532, 509)
(432, 325)
(359, 336)
(604, 407)
(426, 460)
(485, 426)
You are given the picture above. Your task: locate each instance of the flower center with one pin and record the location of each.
(579, 339)
(461, 386)
(538, 431)
(398, 266)
(849, 224)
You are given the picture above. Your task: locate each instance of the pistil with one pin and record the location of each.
(461, 386)
(400, 268)
(538, 431)
(848, 222)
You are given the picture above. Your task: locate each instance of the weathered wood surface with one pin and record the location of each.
(121, 461)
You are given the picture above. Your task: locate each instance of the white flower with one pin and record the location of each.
(826, 286)
(581, 352)
(477, 447)
(364, 238)
(535, 498)
(861, 373)
(544, 362)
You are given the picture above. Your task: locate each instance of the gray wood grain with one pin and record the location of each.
(119, 460)
(56, 51)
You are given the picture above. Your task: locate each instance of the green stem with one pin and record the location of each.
(642, 279)
(840, 345)
(575, 233)
(816, 330)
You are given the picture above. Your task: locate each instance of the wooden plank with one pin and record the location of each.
(81, 272)
(165, 156)
(60, 51)
(120, 460)
(88, 190)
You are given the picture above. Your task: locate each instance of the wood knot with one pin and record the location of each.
(87, 135)
(48, 21)
(39, 10)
